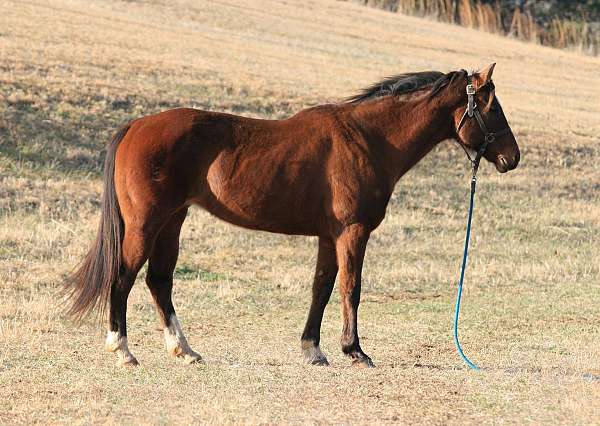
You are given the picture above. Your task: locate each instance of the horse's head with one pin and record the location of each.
(480, 123)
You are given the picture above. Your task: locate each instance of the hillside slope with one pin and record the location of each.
(71, 71)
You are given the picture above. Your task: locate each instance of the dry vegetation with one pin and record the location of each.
(561, 33)
(71, 71)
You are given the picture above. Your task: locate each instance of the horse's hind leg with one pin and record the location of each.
(159, 279)
(324, 280)
(135, 249)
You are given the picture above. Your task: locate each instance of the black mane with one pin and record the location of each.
(406, 83)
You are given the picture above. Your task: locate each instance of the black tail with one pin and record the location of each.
(89, 286)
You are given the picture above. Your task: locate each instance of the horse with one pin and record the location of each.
(328, 171)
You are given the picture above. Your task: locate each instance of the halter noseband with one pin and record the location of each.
(473, 111)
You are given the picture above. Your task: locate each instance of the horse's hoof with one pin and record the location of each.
(319, 361)
(128, 362)
(186, 354)
(312, 354)
(363, 363)
(192, 358)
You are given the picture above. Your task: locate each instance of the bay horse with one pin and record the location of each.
(328, 171)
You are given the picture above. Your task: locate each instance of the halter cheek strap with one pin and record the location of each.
(473, 111)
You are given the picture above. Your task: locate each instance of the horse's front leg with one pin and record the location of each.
(350, 251)
(324, 280)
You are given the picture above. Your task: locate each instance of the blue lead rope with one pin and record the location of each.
(489, 137)
(462, 276)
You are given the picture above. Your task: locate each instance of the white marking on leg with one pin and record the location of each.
(118, 344)
(177, 344)
(313, 354)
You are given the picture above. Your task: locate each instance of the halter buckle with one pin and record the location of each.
(489, 138)
(470, 89)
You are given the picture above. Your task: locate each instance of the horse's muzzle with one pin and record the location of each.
(503, 164)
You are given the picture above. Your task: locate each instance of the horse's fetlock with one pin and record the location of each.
(308, 343)
(350, 348)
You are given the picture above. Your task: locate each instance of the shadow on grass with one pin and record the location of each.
(71, 141)
(67, 134)
(185, 272)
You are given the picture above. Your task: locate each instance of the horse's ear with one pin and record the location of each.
(485, 75)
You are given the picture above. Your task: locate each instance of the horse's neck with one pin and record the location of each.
(407, 129)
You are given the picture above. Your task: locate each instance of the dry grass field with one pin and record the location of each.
(71, 71)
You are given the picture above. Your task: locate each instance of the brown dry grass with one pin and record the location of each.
(71, 71)
(560, 33)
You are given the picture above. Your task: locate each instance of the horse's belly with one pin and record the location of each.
(275, 199)
(270, 223)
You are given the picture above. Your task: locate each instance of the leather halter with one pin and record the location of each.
(473, 111)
